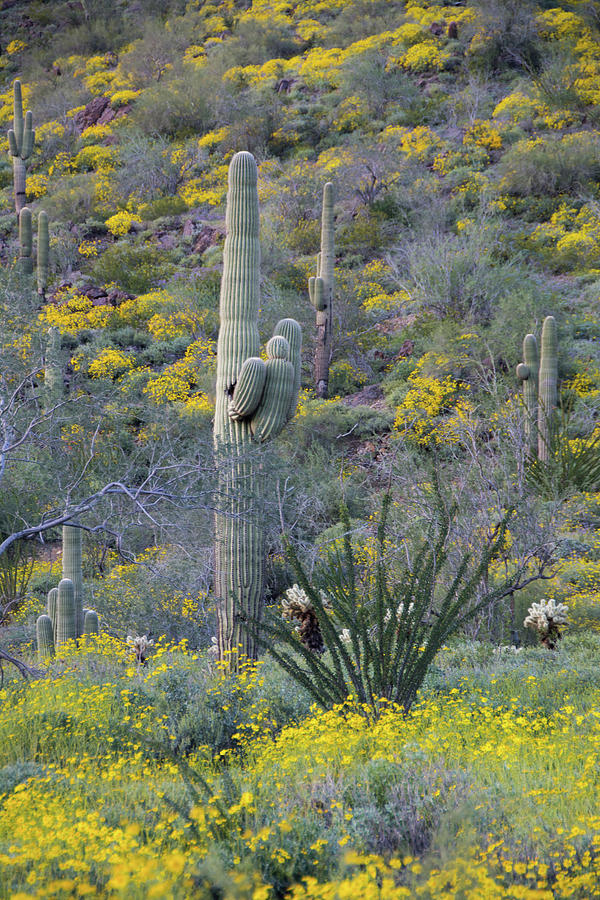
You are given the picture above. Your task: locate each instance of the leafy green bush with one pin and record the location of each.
(135, 268)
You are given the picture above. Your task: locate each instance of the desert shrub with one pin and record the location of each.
(328, 421)
(135, 268)
(177, 106)
(162, 206)
(459, 275)
(543, 166)
(73, 200)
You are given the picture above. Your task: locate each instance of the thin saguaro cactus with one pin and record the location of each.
(320, 290)
(254, 401)
(21, 138)
(43, 247)
(25, 242)
(539, 376)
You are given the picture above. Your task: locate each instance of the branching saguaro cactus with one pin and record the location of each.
(254, 401)
(540, 380)
(65, 618)
(320, 290)
(21, 138)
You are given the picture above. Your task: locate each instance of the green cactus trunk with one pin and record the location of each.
(254, 401)
(72, 568)
(548, 381)
(51, 606)
(21, 138)
(45, 637)
(528, 373)
(25, 242)
(53, 369)
(91, 624)
(43, 245)
(321, 295)
(67, 617)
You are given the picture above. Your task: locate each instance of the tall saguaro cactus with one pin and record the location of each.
(43, 248)
(528, 373)
(72, 568)
(320, 290)
(21, 138)
(540, 381)
(547, 387)
(254, 401)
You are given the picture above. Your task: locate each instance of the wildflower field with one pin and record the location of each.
(180, 780)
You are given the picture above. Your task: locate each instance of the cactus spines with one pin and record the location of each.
(66, 613)
(321, 294)
(251, 396)
(90, 622)
(528, 373)
(25, 242)
(72, 568)
(51, 606)
(21, 138)
(548, 379)
(43, 245)
(45, 637)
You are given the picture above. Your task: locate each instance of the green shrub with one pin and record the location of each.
(135, 268)
(550, 166)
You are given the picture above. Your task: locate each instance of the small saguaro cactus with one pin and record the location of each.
(25, 242)
(90, 622)
(51, 606)
(320, 290)
(45, 637)
(43, 246)
(21, 138)
(66, 613)
(548, 379)
(254, 401)
(528, 373)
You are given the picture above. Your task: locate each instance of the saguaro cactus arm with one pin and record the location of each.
(291, 331)
(273, 409)
(45, 637)
(66, 613)
(248, 389)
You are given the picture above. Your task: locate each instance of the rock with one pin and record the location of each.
(395, 324)
(207, 237)
(188, 228)
(107, 116)
(371, 395)
(92, 113)
(406, 349)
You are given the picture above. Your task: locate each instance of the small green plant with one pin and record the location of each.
(381, 624)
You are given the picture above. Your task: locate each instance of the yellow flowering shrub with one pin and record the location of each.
(121, 222)
(435, 406)
(482, 134)
(427, 55)
(210, 187)
(36, 185)
(123, 97)
(16, 46)
(570, 239)
(76, 314)
(111, 363)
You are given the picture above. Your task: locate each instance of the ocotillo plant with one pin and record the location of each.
(21, 138)
(254, 401)
(528, 373)
(320, 290)
(25, 242)
(43, 247)
(540, 380)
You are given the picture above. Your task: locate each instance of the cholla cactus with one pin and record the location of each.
(547, 617)
(296, 604)
(140, 646)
